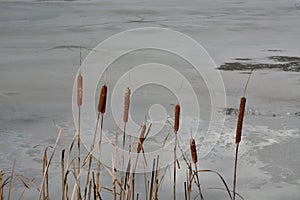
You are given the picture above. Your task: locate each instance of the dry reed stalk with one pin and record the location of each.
(238, 139)
(142, 138)
(44, 167)
(90, 189)
(11, 179)
(185, 190)
(47, 174)
(63, 173)
(50, 159)
(145, 182)
(1, 187)
(79, 103)
(152, 180)
(91, 157)
(220, 176)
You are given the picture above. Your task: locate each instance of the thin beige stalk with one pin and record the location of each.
(51, 157)
(1, 188)
(11, 179)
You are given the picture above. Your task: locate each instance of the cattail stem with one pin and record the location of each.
(63, 173)
(235, 168)
(79, 103)
(198, 182)
(238, 139)
(11, 179)
(1, 188)
(175, 162)
(91, 157)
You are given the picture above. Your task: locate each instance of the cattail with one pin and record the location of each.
(102, 99)
(79, 90)
(142, 138)
(240, 120)
(176, 116)
(126, 105)
(193, 150)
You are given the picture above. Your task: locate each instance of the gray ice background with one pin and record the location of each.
(39, 48)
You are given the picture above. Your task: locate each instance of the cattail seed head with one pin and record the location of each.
(176, 117)
(193, 150)
(79, 89)
(240, 120)
(102, 99)
(142, 138)
(126, 105)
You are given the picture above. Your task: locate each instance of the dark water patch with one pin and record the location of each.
(11, 93)
(284, 58)
(238, 66)
(235, 111)
(69, 47)
(275, 50)
(243, 59)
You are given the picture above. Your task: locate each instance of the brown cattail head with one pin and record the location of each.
(79, 90)
(126, 105)
(102, 99)
(176, 117)
(240, 120)
(193, 150)
(142, 138)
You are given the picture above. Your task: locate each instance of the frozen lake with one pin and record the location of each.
(39, 59)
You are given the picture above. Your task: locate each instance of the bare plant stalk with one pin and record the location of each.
(238, 139)
(79, 103)
(125, 120)
(63, 173)
(1, 188)
(50, 159)
(185, 191)
(90, 189)
(11, 179)
(91, 157)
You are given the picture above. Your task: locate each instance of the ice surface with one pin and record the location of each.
(39, 56)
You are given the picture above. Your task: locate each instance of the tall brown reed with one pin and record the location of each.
(125, 120)
(238, 139)
(79, 103)
(101, 109)
(176, 128)
(11, 179)
(194, 159)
